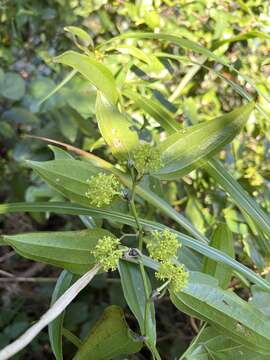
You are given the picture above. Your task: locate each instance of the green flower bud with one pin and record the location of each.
(107, 253)
(146, 158)
(164, 246)
(102, 189)
(177, 275)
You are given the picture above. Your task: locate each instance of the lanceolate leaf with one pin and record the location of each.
(69, 250)
(74, 209)
(215, 346)
(117, 130)
(226, 311)
(109, 338)
(240, 196)
(185, 150)
(222, 239)
(68, 176)
(132, 284)
(55, 327)
(98, 74)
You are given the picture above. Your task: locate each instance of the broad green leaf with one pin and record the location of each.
(192, 147)
(231, 315)
(67, 176)
(136, 298)
(199, 247)
(56, 326)
(12, 86)
(240, 196)
(109, 338)
(260, 299)
(97, 73)
(222, 240)
(158, 112)
(116, 129)
(69, 250)
(210, 345)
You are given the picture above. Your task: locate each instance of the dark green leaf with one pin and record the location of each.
(67, 176)
(69, 250)
(222, 240)
(132, 284)
(231, 315)
(109, 338)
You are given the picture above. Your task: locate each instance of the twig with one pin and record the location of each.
(7, 256)
(57, 308)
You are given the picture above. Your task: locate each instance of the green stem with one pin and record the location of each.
(147, 310)
(134, 210)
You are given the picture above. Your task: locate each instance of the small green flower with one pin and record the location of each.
(177, 275)
(164, 246)
(102, 189)
(146, 158)
(107, 253)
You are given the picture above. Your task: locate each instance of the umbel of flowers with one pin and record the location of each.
(107, 252)
(164, 249)
(103, 188)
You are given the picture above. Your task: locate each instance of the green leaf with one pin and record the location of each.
(158, 112)
(98, 74)
(199, 247)
(240, 37)
(69, 250)
(116, 129)
(222, 239)
(109, 338)
(225, 310)
(136, 298)
(240, 196)
(67, 176)
(12, 86)
(193, 146)
(81, 37)
(210, 345)
(56, 326)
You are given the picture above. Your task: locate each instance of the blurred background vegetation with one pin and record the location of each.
(31, 34)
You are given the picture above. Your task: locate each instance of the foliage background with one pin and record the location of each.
(31, 34)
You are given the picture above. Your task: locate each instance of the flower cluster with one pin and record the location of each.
(176, 274)
(102, 189)
(107, 253)
(164, 246)
(164, 249)
(146, 158)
